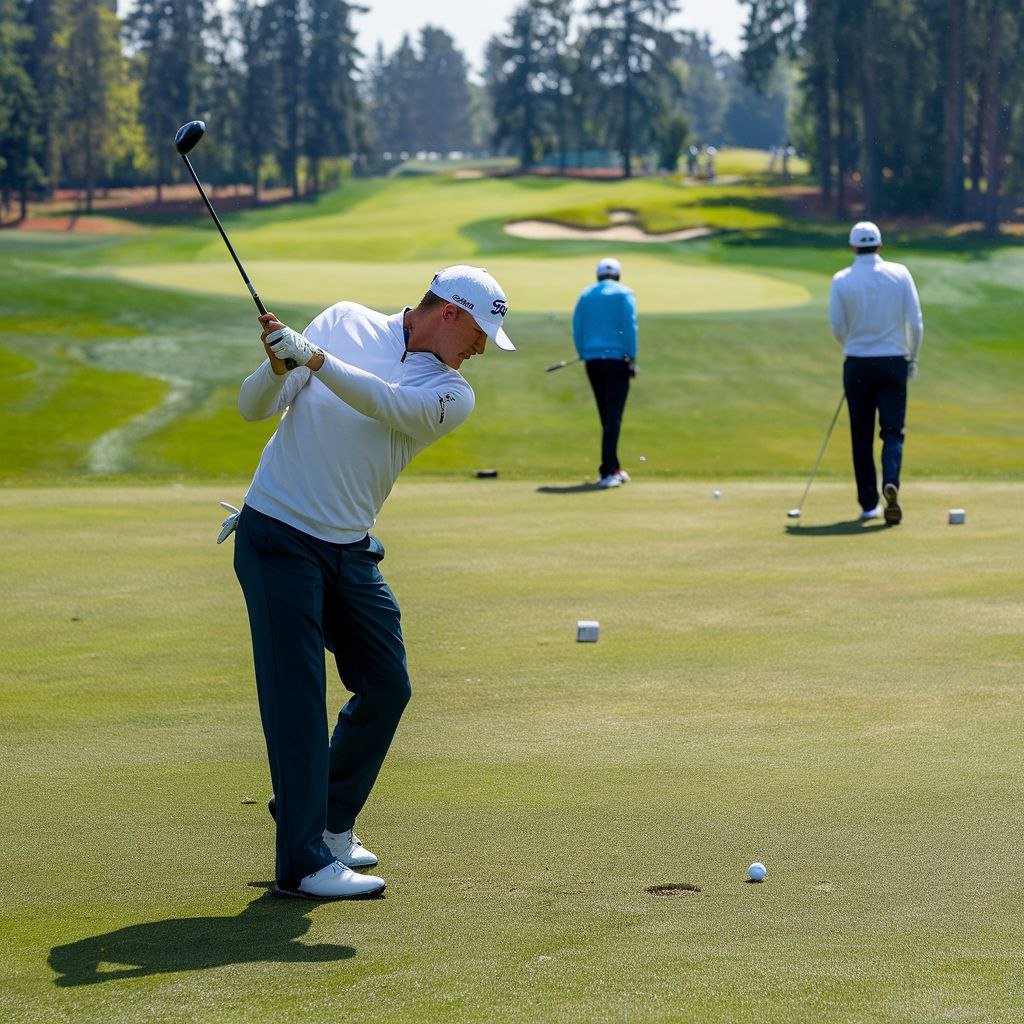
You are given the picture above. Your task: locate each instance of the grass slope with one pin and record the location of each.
(122, 378)
(842, 703)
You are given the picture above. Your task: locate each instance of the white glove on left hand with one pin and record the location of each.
(228, 526)
(288, 344)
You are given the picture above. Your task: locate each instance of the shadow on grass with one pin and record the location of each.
(264, 932)
(569, 489)
(844, 528)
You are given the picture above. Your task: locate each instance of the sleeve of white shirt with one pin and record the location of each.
(424, 412)
(913, 319)
(837, 314)
(264, 393)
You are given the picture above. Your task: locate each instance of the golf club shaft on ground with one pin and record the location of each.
(290, 363)
(824, 445)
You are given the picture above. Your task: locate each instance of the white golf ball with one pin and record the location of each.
(643, 458)
(757, 872)
(716, 494)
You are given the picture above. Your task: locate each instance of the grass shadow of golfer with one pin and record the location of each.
(844, 528)
(570, 489)
(264, 932)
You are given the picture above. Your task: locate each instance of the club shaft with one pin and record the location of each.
(223, 234)
(565, 362)
(824, 445)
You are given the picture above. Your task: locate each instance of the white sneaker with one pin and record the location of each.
(870, 513)
(335, 882)
(349, 850)
(612, 480)
(622, 475)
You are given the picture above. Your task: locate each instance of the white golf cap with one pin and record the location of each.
(475, 290)
(609, 267)
(864, 234)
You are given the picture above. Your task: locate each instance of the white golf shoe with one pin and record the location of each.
(611, 480)
(349, 850)
(622, 475)
(335, 882)
(870, 513)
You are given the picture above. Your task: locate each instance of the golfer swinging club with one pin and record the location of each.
(876, 316)
(368, 393)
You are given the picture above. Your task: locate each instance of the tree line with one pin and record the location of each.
(909, 108)
(89, 99)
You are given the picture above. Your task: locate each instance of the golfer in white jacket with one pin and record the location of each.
(368, 392)
(876, 316)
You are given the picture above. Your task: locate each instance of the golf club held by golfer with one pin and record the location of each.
(185, 140)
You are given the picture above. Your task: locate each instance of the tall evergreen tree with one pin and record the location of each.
(46, 65)
(332, 127)
(284, 23)
(19, 110)
(256, 127)
(169, 42)
(101, 125)
(631, 52)
(443, 92)
(528, 73)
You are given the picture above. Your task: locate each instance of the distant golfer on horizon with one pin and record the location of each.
(604, 331)
(875, 315)
(367, 394)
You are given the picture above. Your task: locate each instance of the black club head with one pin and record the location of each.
(188, 135)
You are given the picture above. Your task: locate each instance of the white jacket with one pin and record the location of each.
(350, 428)
(874, 309)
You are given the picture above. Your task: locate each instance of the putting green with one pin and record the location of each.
(533, 286)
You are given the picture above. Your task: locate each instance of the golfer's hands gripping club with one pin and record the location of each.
(287, 348)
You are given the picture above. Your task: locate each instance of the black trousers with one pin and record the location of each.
(609, 379)
(303, 594)
(875, 385)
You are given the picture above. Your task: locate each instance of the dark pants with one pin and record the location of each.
(875, 384)
(305, 594)
(609, 379)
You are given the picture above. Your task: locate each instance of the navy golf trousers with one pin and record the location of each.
(304, 595)
(609, 379)
(875, 384)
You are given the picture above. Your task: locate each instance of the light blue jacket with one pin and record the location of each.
(604, 322)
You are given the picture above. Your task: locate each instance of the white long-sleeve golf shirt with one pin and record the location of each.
(352, 426)
(874, 309)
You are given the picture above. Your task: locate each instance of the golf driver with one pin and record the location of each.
(794, 513)
(564, 362)
(185, 140)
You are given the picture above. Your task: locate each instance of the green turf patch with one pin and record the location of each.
(839, 703)
(54, 410)
(738, 372)
(661, 285)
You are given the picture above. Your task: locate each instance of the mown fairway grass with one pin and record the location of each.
(841, 703)
(738, 373)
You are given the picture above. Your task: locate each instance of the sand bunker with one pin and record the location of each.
(626, 230)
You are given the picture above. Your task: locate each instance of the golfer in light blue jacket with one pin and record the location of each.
(604, 331)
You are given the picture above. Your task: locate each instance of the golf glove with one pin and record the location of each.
(911, 369)
(288, 344)
(228, 526)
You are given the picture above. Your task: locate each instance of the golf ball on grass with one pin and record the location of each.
(757, 871)
(716, 495)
